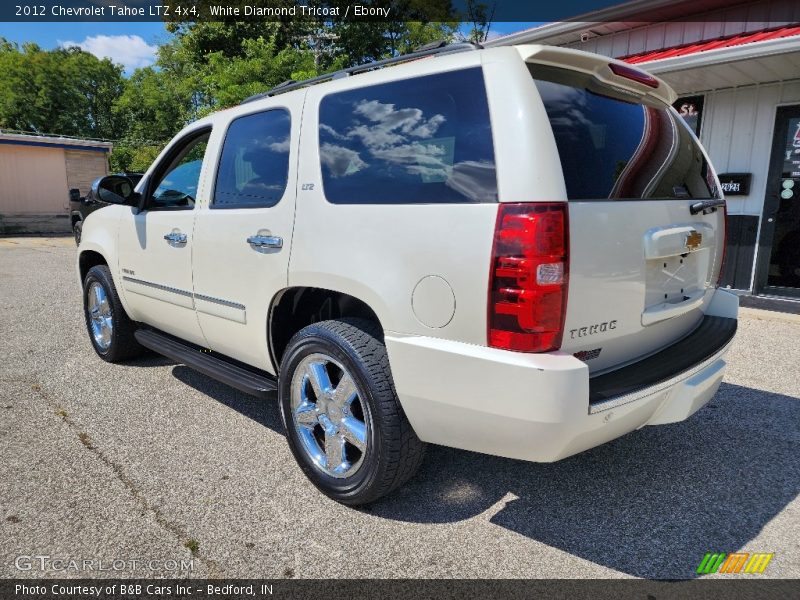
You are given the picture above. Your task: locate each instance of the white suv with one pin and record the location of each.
(513, 251)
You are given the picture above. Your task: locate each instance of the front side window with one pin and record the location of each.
(254, 166)
(177, 187)
(421, 140)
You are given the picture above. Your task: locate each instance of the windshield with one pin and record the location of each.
(615, 146)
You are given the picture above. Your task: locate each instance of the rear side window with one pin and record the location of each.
(254, 165)
(421, 140)
(614, 147)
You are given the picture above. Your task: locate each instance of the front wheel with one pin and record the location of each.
(345, 425)
(110, 330)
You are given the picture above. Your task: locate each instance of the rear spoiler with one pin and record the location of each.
(600, 67)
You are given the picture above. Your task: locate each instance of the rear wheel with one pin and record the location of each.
(110, 329)
(343, 420)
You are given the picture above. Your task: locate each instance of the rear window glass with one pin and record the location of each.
(615, 147)
(421, 140)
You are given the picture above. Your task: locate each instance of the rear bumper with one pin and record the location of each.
(545, 407)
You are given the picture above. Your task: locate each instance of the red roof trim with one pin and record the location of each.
(721, 42)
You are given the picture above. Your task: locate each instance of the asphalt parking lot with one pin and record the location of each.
(152, 461)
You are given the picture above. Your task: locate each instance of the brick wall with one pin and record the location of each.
(83, 167)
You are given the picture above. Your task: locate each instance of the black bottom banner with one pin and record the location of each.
(107, 589)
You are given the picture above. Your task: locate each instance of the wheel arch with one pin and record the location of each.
(88, 259)
(296, 307)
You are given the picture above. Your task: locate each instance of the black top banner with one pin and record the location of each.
(363, 10)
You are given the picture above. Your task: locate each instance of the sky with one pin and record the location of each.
(132, 45)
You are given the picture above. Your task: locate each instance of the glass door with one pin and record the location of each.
(778, 271)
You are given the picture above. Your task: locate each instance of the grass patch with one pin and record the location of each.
(193, 545)
(85, 439)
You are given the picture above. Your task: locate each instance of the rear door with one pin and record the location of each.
(243, 236)
(643, 266)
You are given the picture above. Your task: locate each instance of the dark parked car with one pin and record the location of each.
(81, 206)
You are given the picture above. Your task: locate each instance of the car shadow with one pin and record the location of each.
(265, 413)
(649, 504)
(150, 359)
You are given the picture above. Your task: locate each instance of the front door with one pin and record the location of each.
(243, 234)
(155, 244)
(779, 247)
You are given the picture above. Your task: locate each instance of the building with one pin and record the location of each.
(36, 174)
(736, 68)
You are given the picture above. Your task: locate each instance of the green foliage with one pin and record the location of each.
(480, 15)
(359, 42)
(210, 37)
(133, 158)
(64, 91)
(229, 81)
(152, 107)
(204, 67)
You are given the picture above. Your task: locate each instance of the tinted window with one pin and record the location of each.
(178, 185)
(612, 146)
(422, 140)
(254, 165)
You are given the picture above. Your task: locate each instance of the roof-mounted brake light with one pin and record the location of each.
(633, 74)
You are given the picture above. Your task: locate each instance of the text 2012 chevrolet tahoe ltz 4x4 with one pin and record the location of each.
(512, 250)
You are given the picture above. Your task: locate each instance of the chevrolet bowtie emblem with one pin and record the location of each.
(693, 240)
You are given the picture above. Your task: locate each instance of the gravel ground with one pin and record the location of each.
(152, 461)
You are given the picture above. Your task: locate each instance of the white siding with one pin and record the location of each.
(737, 131)
(730, 21)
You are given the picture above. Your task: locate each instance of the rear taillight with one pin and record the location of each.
(528, 277)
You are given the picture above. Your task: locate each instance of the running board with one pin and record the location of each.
(262, 385)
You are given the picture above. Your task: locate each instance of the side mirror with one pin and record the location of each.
(115, 189)
(74, 195)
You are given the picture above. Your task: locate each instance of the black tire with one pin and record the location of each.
(393, 452)
(123, 344)
(77, 230)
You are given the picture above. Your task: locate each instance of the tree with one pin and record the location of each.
(262, 66)
(133, 158)
(63, 91)
(201, 39)
(152, 106)
(205, 66)
(481, 16)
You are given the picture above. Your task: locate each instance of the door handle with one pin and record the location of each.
(176, 237)
(265, 241)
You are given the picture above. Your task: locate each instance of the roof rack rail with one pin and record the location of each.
(431, 49)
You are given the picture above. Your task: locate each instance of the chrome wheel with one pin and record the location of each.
(329, 415)
(99, 309)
